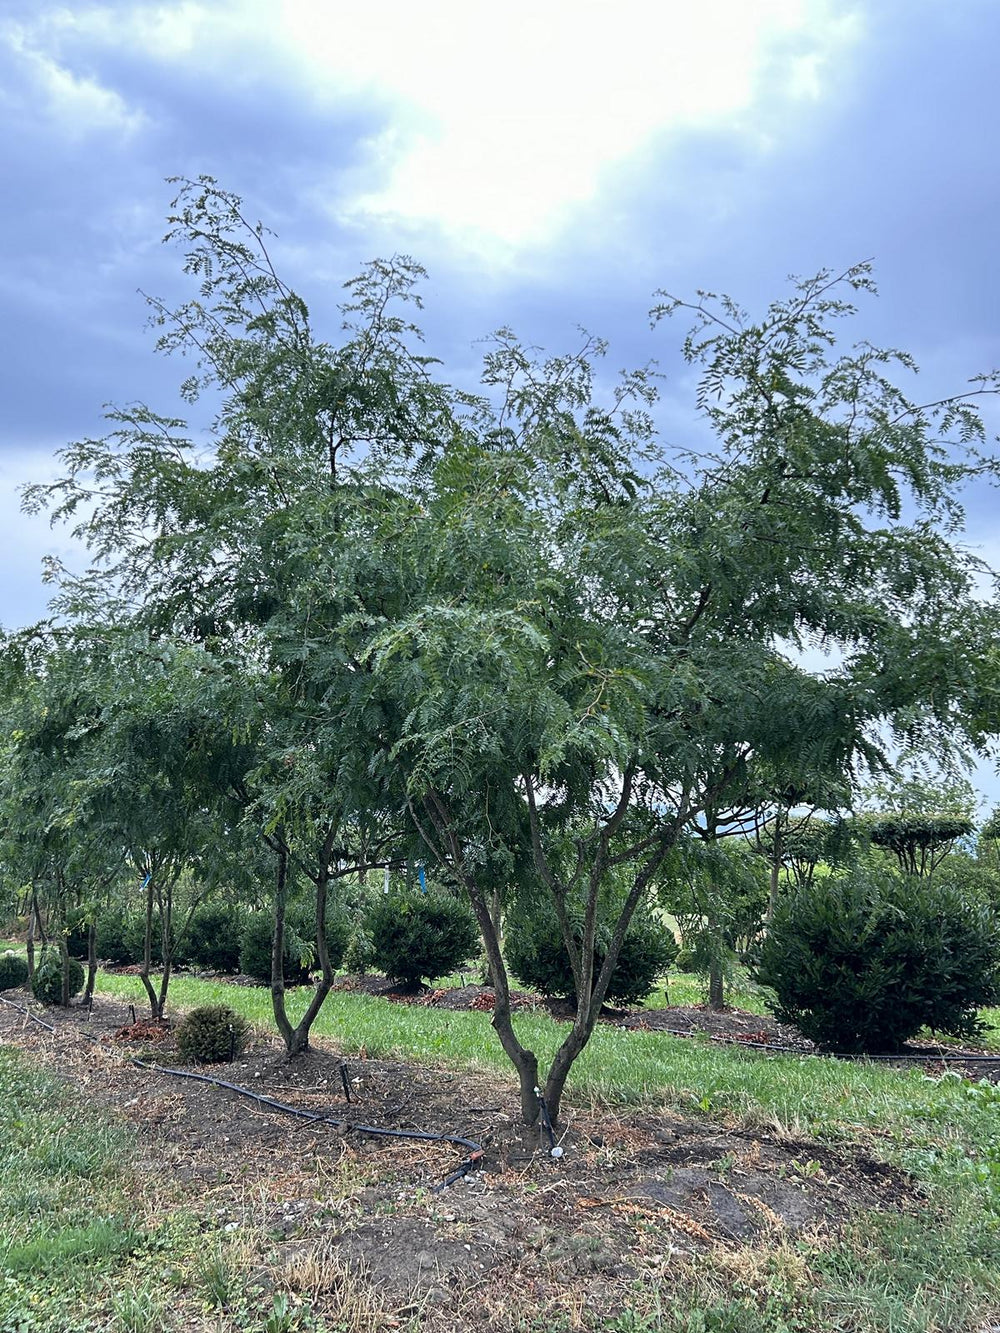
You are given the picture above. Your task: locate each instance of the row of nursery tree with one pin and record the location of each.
(504, 639)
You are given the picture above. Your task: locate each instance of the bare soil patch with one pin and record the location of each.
(327, 1211)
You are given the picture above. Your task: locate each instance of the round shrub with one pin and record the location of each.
(338, 931)
(212, 939)
(13, 970)
(300, 946)
(120, 936)
(862, 963)
(359, 956)
(685, 960)
(417, 936)
(538, 959)
(212, 1034)
(76, 940)
(47, 983)
(255, 949)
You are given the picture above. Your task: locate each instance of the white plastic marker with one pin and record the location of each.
(385, 880)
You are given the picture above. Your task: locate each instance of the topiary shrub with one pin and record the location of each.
(13, 971)
(119, 936)
(338, 931)
(255, 949)
(212, 1034)
(300, 947)
(416, 936)
(862, 963)
(686, 960)
(47, 983)
(359, 956)
(537, 956)
(213, 938)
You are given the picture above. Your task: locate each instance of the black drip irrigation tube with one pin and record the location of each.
(476, 1150)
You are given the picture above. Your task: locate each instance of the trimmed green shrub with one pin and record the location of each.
(300, 947)
(686, 960)
(255, 949)
(212, 1034)
(76, 940)
(338, 931)
(212, 939)
(359, 956)
(537, 956)
(46, 984)
(121, 934)
(13, 970)
(417, 936)
(863, 962)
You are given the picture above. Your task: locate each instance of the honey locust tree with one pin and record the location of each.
(606, 650)
(516, 615)
(250, 542)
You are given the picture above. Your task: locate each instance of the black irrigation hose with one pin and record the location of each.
(425, 1136)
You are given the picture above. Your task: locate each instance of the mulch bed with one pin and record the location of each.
(632, 1192)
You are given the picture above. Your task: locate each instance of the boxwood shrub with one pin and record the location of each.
(47, 983)
(537, 957)
(862, 963)
(13, 971)
(419, 936)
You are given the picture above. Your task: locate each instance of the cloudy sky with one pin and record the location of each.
(551, 163)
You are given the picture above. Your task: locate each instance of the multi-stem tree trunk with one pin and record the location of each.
(34, 925)
(296, 1037)
(146, 967)
(775, 879)
(88, 993)
(64, 961)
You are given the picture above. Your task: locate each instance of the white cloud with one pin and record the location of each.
(77, 103)
(500, 121)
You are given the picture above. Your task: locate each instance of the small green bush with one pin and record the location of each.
(417, 936)
(76, 940)
(255, 949)
(121, 934)
(13, 970)
(212, 1034)
(686, 960)
(862, 963)
(300, 946)
(212, 939)
(538, 959)
(46, 984)
(359, 956)
(338, 930)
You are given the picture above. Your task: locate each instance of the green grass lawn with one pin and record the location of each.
(79, 1247)
(930, 1270)
(933, 1268)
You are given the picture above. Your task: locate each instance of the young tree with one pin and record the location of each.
(515, 616)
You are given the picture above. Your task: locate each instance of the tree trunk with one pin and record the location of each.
(772, 897)
(147, 953)
(88, 993)
(32, 922)
(298, 1040)
(278, 946)
(496, 916)
(64, 959)
(523, 1060)
(716, 983)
